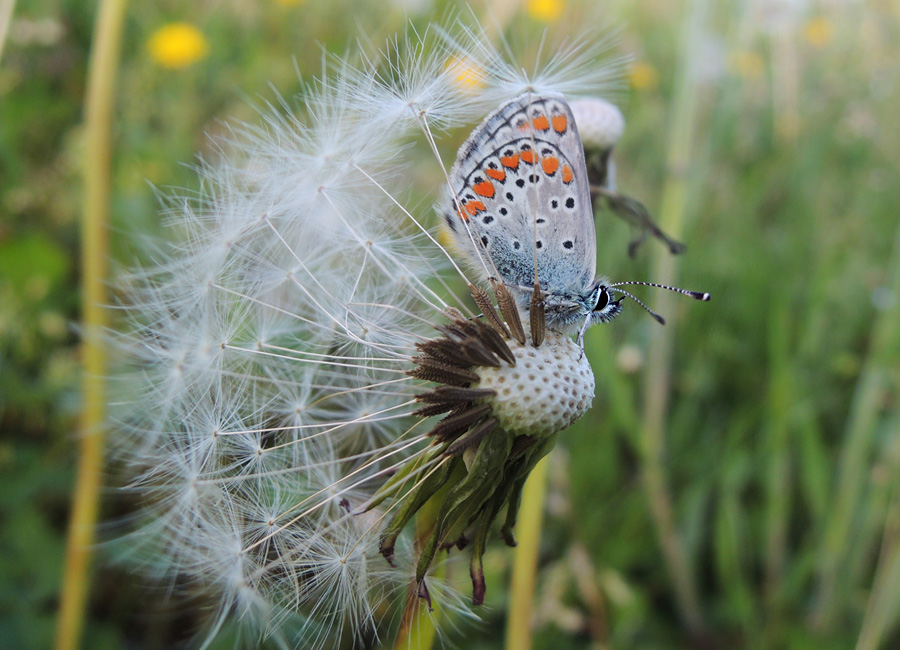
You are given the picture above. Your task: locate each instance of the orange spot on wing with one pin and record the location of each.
(496, 174)
(474, 207)
(529, 156)
(567, 174)
(462, 215)
(510, 161)
(541, 123)
(550, 164)
(560, 122)
(485, 188)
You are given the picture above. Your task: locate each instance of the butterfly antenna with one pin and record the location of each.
(696, 295)
(659, 319)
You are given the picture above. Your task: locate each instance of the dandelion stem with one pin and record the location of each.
(417, 628)
(657, 379)
(99, 107)
(521, 591)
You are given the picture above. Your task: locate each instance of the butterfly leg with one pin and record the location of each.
(587, 322)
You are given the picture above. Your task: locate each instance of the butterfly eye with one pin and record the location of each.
(602, 300)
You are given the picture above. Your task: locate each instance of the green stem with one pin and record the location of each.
(6, 12)
(777, 453)
(881, 610)
(879, 371)
(657, 378)
(417, 627)
(528, 533)
(785, 86)
(99, 106)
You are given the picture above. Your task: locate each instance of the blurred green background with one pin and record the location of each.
(736, 484)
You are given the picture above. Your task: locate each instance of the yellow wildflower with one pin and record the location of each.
(819, 31)
(545, 10)
(467, 75)
(289, 3)
(748, 65)
(643, 76)
(177, 45)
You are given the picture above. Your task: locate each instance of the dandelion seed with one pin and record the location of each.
(285, 363)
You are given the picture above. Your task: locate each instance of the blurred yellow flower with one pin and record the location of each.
(177, 45)
(748, 65)
(643, 76)
(467, 75)
(546, 10)
(445, 239)
(819, 31)
(289, 3)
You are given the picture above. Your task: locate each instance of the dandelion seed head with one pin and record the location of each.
(600, 123)
(405, 85)
(266, 397)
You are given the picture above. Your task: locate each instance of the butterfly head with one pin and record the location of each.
(605, 308)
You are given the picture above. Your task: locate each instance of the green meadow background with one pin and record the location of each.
(736, 483)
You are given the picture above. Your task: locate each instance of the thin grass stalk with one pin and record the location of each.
(778, 457)
(98, 107)
(785, 103)
(879, 370)
(657, 377)
(6, 12)
(875, 512)
(525, 559)
(733, 555)
(884, 599)
(786, 86)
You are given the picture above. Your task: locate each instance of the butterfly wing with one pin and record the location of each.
(519, 191)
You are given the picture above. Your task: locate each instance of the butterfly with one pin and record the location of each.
(518, 207)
